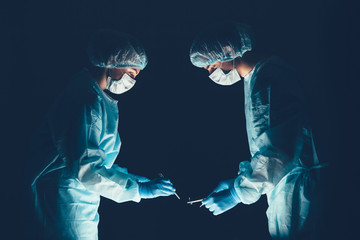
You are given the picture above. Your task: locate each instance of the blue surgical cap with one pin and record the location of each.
(223, 43)
(112, 49)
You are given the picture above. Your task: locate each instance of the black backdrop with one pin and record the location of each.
(176, 120)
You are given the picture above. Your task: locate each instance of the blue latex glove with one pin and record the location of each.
(223, 185)
(220, 201)
(156, 188)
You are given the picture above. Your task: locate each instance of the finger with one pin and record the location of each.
(216, 213)
(209, 204)
(167, 187)
(206, 204)
(166, 181)
(163, 194)
(168, 192)
(209, 200)
(213, 196)
(212, 193)
(205, 201)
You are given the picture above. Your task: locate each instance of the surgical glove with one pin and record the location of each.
(156, 188)
(223, 185)
(219, 202)
(139, 179)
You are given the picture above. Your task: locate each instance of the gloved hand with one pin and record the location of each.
(139, 179)
(223, 185)
(221, 201)
(156, 188)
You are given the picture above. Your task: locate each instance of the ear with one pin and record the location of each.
(216, 64)
(229, 50)
(238, 60)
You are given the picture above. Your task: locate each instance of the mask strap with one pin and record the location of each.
(108, 73)
(233, 67)
(107, 78)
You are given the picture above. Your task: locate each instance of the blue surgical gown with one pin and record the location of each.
(284, 164)
(78, 144)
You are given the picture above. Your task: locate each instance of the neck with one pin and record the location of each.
(244, 68)
(247, 62)
(99, 75)
(102, 82)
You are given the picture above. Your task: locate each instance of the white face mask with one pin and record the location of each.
(219, 77)
(125, 83)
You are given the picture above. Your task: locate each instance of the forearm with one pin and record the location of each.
(262, 174)
(110, 183)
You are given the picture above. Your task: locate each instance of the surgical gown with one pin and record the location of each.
(78, 144)
(284, 164)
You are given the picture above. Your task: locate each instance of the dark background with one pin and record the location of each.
(176, 120)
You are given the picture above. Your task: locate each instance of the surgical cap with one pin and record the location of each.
(223, 43)
(112, 49)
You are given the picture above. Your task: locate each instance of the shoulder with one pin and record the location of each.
(275, 67)
(81, 93)
(274, 71)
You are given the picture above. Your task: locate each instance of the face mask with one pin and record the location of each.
(125, 83)
(219, 77)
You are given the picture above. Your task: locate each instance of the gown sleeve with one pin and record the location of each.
(79, 145)
(278, 114)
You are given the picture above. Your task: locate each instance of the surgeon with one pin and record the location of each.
(79, 142)
(283, 164)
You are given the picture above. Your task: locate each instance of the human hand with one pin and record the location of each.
(223, 185)
(223, 198)
(156, 188)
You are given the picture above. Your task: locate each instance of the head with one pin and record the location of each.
(116, 55)
(222, 48)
